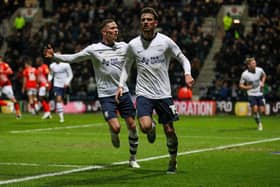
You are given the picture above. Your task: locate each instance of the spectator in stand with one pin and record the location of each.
(227, 21)
(19, 22)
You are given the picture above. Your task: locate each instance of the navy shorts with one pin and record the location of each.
(110, 107)
(58, 91)
(165, 109)
(256, 100)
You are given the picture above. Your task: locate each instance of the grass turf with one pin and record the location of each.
(33, 147)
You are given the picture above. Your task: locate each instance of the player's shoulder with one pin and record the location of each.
(245, 72)
(259, 69)
(121, 44)
(161, 36)
(135, 40)
(93, 46)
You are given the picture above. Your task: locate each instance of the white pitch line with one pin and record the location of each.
(56, 128)
(40, 165)
(140, 160)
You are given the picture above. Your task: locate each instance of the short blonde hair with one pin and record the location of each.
(249, 59)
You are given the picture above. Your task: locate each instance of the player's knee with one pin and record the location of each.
(145, 128)
(116, 129)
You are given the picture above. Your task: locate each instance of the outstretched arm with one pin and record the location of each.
(68, 58)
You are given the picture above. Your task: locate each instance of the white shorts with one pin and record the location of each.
(8, 91)
(31, 91)
(42, 91)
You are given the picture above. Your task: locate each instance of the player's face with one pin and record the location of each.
(111, 31)
(252, 65)
(148, 22)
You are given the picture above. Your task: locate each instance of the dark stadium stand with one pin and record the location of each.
(71, 26)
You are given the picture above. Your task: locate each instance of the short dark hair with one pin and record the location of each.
(151, 11)
(105, 22)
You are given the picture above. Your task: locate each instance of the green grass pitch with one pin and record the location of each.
(213, 151)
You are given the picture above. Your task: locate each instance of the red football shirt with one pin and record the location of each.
(30, 75)
(5, 71)
(43, 72)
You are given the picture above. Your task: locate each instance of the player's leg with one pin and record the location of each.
(144, 114)
(115, 127)
(167, 113)
(8, 91)
(3, 103)
(255, 110)
(127, 111)
(109, 109)
(172, 145)
(44, 102)
(30, 101)
(59, 93)
(17, 108)
(261, 111)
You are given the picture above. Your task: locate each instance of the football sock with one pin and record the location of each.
(59, 107)
(3, 103)
(16, 105)
(133, 142)
(257, 117)
(172, 144)
(46, 106)
(59, 110)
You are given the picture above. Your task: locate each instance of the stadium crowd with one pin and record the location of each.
(74, 25)
(262, 43)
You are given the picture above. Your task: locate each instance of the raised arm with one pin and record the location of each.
(68, 58)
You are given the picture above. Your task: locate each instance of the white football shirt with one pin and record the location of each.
(61, 73)
(253, 78)
(107, 62)
(152, 59)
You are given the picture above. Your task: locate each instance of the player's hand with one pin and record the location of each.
(119, 93)
(189, 80)
(261, 84)
(49, 86)
(48, 51)
(250, 86)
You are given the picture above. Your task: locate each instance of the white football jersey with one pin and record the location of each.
(61, 74)
(254, 79)
(152, 59)
(107, 62)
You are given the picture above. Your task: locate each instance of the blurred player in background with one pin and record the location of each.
(107, 59)
(152, 52)
(30, 85)
(62, 74)
(43, 72)
(252, 80)
(6, 86)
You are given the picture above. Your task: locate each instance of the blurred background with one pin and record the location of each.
(215, 35)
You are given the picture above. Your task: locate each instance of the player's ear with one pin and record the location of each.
(156, 23)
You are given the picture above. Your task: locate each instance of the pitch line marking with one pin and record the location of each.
(140, 160)
(39, 165)
(56, 128)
